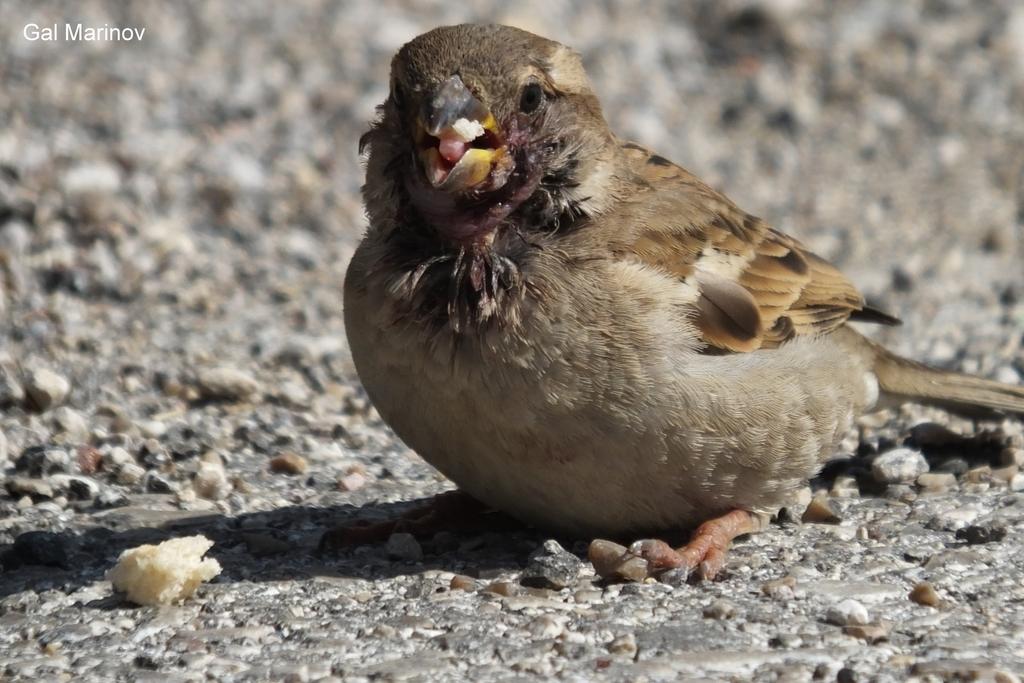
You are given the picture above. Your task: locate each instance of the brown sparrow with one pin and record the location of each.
(581, 333)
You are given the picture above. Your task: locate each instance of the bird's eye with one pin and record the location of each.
(531, 98)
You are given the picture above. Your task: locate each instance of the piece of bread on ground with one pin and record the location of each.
(165, 573)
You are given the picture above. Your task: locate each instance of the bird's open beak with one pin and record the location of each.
(459, 142)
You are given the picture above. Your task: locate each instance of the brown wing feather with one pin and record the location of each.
(757, 287)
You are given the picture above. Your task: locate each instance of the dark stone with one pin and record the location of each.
(39, 461)
(902, 281)
(183, 442)
(977, 534)
(785, 121)
(551, 566)
(146, 662)
(82, 488)
(154, 483)
(846, 675)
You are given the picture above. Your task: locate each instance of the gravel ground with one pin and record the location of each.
(176, 215)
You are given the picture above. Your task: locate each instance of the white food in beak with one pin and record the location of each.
(467, 130)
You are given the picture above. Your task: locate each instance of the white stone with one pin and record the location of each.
(899, 466)
(71, 423)
(848, 613)
(92, 178)
(46, 388)
(211, 482)
(226, 383)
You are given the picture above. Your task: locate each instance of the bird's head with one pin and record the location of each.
(483, 124)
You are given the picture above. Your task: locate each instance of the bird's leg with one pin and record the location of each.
(705, 552)
(449, 511)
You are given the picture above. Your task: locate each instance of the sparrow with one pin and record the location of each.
(579, 332)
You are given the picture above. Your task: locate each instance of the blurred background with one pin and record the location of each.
(192, 198)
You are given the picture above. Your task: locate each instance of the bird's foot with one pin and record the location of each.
(449, 511)
(704, 556)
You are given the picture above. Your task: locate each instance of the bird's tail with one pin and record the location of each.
(905, 381)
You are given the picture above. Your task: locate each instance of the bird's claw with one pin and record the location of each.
(703, 557)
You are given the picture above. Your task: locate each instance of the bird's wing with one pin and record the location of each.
(756, 287)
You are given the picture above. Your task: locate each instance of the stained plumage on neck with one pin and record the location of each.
(458, 287)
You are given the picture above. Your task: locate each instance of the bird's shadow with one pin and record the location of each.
(274, 545)
(282, 544)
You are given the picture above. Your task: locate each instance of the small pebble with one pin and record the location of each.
(226, 384)
(89, 459)
(614, 561)
(924, 594)
(130, 473)
(71, 423)
(91, 178)
(977, 534)
(899, 466)
(461, 582)
(624, 645)
(586, 595)
(109, 498)
(46, 389)
(26, 486)
(352, 482)
(820, 511)
(847, 613)
(211, 481)
(871, 633)
(3, 449)
(288, 463)
(39, 461)
(151, 429)
(900, 492)
(937, 482)
(154, 483)
(979, 475)
(780, 589)
(846, 675)
(795, 508)
(545, 627)
(116, 458)
(82, 488)
(404, 546)
(678, 577)
(293, 394)
(551, 566)
(503, 588)
(720, 609)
